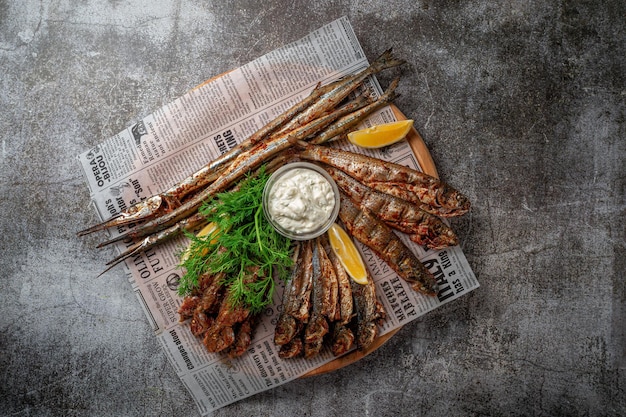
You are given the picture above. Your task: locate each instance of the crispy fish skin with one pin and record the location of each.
(292, 349)
(375, 234)
(200, 322)
(317, 327)
(200, 305)
(369, 313)
(301, 308)
(329, 280)
(424, 228)
(287, 326)
(343, 339)
(432, 194)
(433, 234)
(211, 287)
(286, 329)
(188, 306)
(315, 331)
(221, 334)
(318, 102)
(219, 338)
(345, 304)
(243, 337)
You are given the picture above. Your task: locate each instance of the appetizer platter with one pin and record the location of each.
(293, 251)
(232, 264)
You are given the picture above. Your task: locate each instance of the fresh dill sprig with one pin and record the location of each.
(243, 243)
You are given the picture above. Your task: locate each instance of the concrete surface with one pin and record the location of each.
(522, 104)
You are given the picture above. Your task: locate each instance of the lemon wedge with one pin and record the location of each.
(208, 231)
(348, 254)
(381, 135)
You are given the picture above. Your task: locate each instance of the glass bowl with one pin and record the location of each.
(301, 210)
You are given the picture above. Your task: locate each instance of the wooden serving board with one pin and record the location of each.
(428, 166)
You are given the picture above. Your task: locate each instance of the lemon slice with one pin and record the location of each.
(207, 231)
(381, 135)
(347, 253)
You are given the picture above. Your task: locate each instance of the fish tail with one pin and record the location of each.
(386, 60)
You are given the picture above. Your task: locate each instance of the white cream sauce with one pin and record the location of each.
(301, 200)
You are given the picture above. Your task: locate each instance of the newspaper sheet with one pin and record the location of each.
(176, 140)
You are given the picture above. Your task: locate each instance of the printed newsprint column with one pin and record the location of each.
(155, 152)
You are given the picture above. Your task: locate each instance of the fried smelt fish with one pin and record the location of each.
(345, 305)
(431, 194)
(297, 304)
(375, 234)
(211, 290)
(423, 228)
(292, 349)
(317, 327)
(222, 333)
(244, 163)
(172, 197)
(342, 339)
(346, 123)
(331, 287)
(369, 313)
(287, 326)
(318, 102)
(243, 337)
(342, 89)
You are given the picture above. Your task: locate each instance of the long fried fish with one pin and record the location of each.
(431, 194)
(317, 327)
(369, 313)
(423, 228)
(375, 234)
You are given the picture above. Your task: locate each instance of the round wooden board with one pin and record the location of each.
(428, 166)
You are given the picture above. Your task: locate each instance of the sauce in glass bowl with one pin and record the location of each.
(301, 200)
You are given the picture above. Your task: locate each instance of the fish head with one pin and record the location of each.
(453, 200)
(441, 236)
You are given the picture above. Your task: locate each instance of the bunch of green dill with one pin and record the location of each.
(243, 241)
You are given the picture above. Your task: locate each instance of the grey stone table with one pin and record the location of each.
(522, 105)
